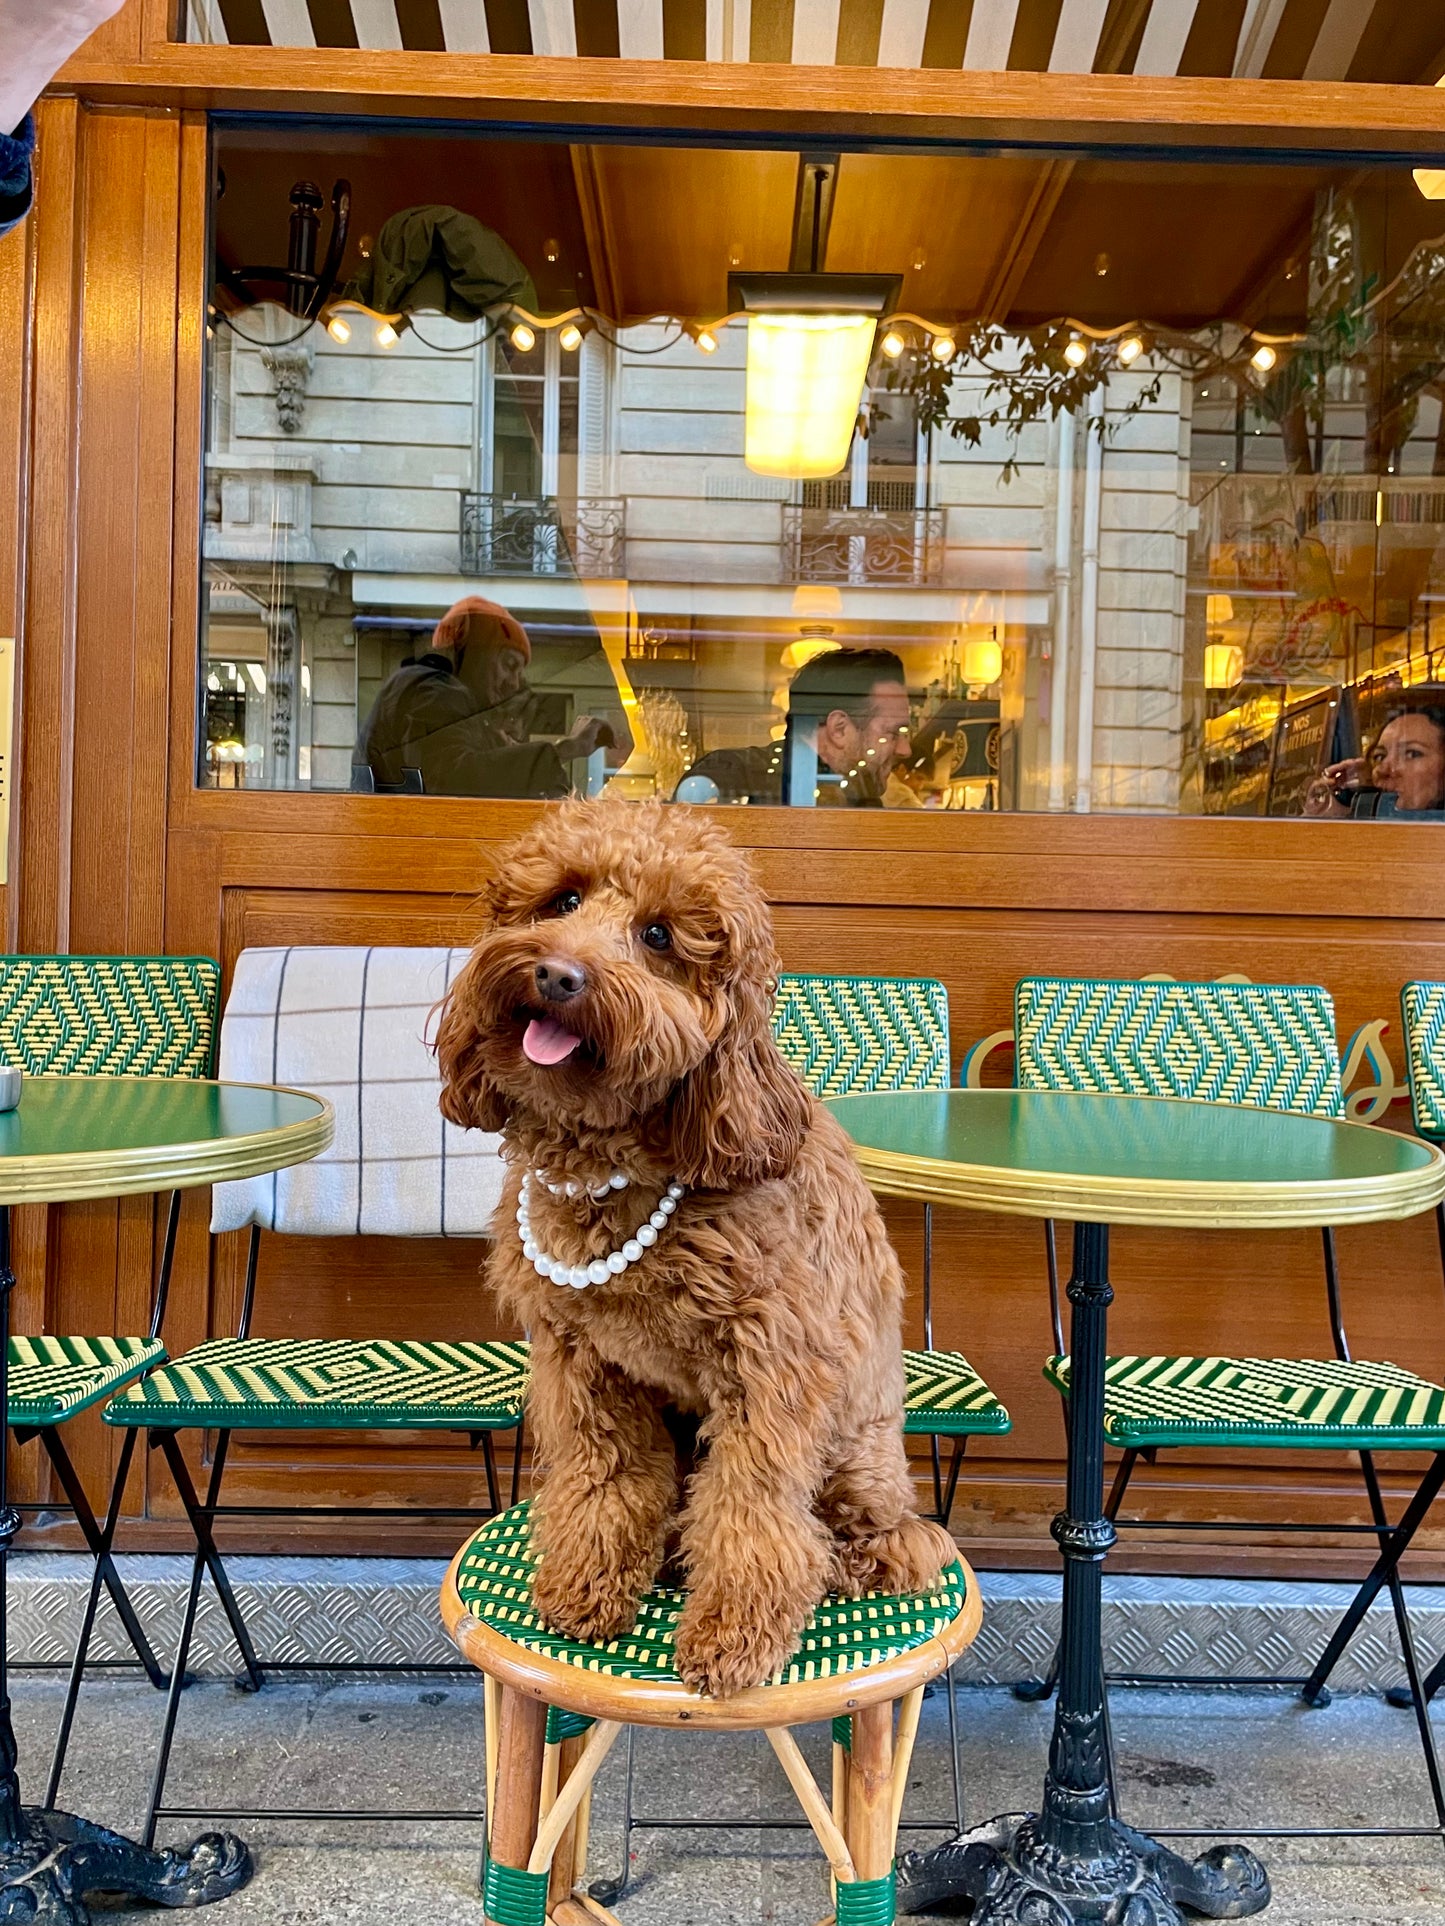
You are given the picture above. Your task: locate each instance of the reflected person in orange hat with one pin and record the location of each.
(458, 715)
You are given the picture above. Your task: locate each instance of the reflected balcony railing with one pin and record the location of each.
(862, 545)
(540, 535)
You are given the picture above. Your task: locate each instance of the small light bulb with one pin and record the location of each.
(339, 329)
(706, 341)
(1263, 358)
(920, 260)
(571, 338)
(1076, 353)
(1130, 349)
(944, 347)
(522, 338)
(386, 335)
(893, 344)
(551, 249)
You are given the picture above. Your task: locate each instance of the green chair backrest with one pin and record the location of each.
(858, 1033)
(109, 1016)
(1269, 1044)
(1422, 1007)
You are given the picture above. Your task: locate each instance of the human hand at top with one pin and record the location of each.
(37, 37)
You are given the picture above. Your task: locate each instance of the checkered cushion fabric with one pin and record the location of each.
(354, 1025)
(1422, 1006)
(1269, 1044)
(1300, 1403)
(281, 1384)
(109, 1016)
(862, 1033)
(51, 1378)
(494, 1581)
(945, 1397)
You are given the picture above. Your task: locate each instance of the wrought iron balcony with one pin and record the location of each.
(512, 535)
(862, 545)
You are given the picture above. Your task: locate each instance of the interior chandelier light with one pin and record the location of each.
(810, 340)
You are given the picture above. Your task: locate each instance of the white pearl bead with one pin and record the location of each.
(559, 1273)
(617, 1263)
(658, 1220)
(646, 1235)
(597, 1271)
(577, 1276)
(542, 1264)
(617, 1181)
(667, 1206)
(675, 1191)
(529, 1250)
(632, 1249)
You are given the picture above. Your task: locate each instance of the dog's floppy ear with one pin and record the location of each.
(469, 1097)
(740, 1118)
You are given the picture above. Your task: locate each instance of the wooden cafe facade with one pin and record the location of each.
(1148, 501)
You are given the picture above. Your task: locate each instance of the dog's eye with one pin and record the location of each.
(565, 901)
(657, 936)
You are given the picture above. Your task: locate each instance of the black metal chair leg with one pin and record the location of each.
(1407, 1646)
(608, 1891)
(99, 1543)
(101, 1548)
(200, 1521)
(952, 1691)
(936, 1464)
(173, 1697)
(960, 1446)
(1430, 1685)
(489, 1459)
(1389, 1557)
(517, 1459)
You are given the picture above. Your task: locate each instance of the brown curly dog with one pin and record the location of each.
(613, 1023)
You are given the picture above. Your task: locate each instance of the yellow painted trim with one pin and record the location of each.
(1147, 1200)
(73, 1176)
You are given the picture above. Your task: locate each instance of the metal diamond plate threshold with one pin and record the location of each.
(322, 1611)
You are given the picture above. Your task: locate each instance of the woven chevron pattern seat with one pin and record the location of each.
(111, 1016)
(860, 1033)
(494, 1582)
(944, 1396)
(1268, 1044)
(52, 1378)
(304, 1384)
(1422, 1005)
(1301, 1403)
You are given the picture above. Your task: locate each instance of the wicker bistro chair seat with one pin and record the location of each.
(310, 1384)
(51, 1379)
(554, 1708)
(1317, 1404)
(944, 1397)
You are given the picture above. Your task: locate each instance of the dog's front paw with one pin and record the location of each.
(908, 1558)
(718, 1652)
(591, 1605)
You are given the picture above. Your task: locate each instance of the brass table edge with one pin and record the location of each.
(75, 1176)
(1197, 1204)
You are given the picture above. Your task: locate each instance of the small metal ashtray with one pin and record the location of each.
(11, 1080)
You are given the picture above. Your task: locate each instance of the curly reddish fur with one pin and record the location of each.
(769, 1309)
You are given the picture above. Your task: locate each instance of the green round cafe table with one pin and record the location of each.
(73, 1138)
(1102, 1160)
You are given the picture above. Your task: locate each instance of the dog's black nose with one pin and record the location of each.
(560, 978)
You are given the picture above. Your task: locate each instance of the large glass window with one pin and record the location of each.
(1137, 504)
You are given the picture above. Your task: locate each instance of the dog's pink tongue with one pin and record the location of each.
(547, 1042)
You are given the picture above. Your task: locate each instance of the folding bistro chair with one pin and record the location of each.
(350, 1024)
(1270, 1046)
(859, 1033)
(99, 1016)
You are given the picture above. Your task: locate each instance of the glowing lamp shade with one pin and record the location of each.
(982, 661)
(805, 383)
(1223, 665)
(1218, 609)
(1431, 182)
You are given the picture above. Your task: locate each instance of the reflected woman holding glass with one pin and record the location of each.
(1402, 775)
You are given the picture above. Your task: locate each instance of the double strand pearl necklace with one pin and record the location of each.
(600, 1269)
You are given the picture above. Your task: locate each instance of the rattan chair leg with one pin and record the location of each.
(558, 1820)
(910, 1711)
(521, 1751)
(869, 1818)
(828, 1833)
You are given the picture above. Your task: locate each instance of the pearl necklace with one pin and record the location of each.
(600, 1269)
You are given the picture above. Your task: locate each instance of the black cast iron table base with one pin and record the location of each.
(1073, 1863)
(54, 1860)
(1012, 1875)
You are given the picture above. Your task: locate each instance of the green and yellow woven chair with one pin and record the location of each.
(845, 1034)
(554, 1708)
(99, 1016)
(1270, 1046)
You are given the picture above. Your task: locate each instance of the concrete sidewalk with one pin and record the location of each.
(1186, 1759)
